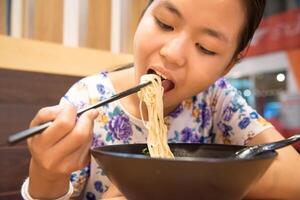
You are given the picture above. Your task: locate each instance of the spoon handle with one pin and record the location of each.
(281, 143)
(248, 152)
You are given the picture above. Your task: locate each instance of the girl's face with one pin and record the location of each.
(190, 42)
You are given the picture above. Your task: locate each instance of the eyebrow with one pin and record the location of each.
(214, 33)
(171, 7)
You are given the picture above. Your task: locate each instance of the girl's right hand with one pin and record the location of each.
(59, 150)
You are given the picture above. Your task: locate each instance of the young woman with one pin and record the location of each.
(192, 43)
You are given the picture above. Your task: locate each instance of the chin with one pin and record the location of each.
(170, 102)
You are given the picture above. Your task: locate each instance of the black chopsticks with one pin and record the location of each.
(17, 137)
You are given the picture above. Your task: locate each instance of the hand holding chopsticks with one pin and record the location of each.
(17, 137)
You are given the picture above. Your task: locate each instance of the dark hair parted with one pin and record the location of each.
(254, 13)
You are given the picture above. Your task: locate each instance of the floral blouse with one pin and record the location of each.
(216, 115)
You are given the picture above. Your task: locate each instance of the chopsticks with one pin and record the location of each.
(17, 137)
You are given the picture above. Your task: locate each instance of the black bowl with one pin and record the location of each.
(200, 171)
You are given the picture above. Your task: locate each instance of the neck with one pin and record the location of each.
(131, 102)
(168, 110)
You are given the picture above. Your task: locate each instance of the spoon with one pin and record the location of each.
(249, 152)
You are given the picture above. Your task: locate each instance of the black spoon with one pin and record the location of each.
(251, 151)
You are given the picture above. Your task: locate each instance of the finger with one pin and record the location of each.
(61, 126)
(79, 157)
(80, 135)
(45, 114)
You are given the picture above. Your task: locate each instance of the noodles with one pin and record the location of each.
(157, 140)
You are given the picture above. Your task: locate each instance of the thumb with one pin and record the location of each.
(91, 114)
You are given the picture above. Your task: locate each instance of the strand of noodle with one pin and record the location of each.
(157, 141)
(145, 124)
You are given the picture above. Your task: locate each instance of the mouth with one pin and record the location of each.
(167, 84)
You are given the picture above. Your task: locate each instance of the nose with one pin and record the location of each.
(174, 50)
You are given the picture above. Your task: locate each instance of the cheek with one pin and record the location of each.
(208, 73)
(143, 35)
(139, 51)
(200, 76)
(139, 47)
(146, 43)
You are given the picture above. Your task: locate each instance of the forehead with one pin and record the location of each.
(227, 16)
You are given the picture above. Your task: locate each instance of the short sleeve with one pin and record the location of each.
(81, 94)
(236, 122)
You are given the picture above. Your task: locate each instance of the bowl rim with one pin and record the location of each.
(264, 156)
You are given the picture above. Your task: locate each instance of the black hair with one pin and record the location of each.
(254, 13)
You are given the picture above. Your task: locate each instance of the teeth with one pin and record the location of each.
(161, 75)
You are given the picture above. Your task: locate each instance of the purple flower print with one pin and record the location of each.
(195, 139)
(244, 123)
(90, 196)
(103, 74)
(206, 116)
(221, 83)
(177, 111)
(97, 141)
(100, 88)
(99, 186)
(227, 114)
(226, 130)
(186, 134)
(119, 127)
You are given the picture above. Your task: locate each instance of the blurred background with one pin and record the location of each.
(100, 24)
(268, 76)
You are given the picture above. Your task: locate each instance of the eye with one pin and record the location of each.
(163, 26)
(204, 50)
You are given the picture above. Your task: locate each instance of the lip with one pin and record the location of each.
(163, 73)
